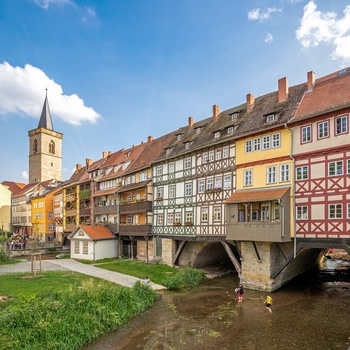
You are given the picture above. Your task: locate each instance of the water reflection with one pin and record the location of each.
(312, 312)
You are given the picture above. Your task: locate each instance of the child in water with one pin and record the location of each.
(268, 303)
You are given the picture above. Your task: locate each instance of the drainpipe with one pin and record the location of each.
(293, 187)
(282, 215)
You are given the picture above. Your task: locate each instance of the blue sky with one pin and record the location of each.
(118, 71)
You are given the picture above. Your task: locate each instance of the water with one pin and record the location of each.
(312, 312)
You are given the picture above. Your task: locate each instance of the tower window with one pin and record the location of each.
(35, 146)
(52, 147)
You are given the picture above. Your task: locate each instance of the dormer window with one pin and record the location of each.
(230, 130)
(198, 130)
(217, 135)
(178, 137)
(127, 154)
(234, 116)
(168, 151)
(270, 118)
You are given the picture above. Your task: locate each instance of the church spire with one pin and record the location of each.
(45, 118)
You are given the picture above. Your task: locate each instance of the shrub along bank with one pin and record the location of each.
(70, 319)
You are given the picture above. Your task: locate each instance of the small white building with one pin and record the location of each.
(93, 243)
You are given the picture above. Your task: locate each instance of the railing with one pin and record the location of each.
(138, 207)
(135, 230)
(70, 197)
(71, 212)
(84, 211)
(71, 227)
(107, 209)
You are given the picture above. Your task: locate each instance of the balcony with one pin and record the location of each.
(137, 207)
(135, 230)
(107, 209)
(84, 212)
(71, 212)
(262, 231)
(70, 197)
(70, 227)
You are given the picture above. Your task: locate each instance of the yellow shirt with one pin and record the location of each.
(268, 300)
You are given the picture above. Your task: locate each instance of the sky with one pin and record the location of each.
(118, 71)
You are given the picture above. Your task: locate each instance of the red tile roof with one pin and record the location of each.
(329, 93)
(257, 195)
(97, 232)
(104, 192)
(14, 187)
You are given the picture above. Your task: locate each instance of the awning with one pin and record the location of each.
(258, 195)
(104, 192)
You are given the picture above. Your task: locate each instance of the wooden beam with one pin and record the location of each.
(279, 246)
(179, 251)
(256, 251)
(235, 262)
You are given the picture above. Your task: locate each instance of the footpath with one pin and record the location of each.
(73, 265)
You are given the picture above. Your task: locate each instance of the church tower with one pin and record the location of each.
(45, 149)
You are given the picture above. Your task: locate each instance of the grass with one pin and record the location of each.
(170, 277)
(63, 310)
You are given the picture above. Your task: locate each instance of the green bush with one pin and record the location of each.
(4, 257)
(185, 279)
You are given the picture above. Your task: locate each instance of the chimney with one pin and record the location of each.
(216, 111)
(190, 122)
(310, 80)
(282, 89)
(104, 155)
(88, 163)
(150, 139)
(77, 167)
(250, 102)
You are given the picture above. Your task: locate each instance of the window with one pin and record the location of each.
(335, 211)
(266, 142)
(348, 210)
(178, 218)
(335, 168)
(218, 154)
(178, 137)
(227, 182)
(234, 116)
(52, 227)
(247, 176)
(248, 146)
(204, 214)
(172, 191)
(209, 184)
(276, 140)
(271, 174)
(187, 163)
(52, 147)
(323, 130)
(270, 118)
(341, 125)
(85, 247)
(302, 213)
(217, 135)
(217, 214)
(306, 134)
(51, 216)
(143, 176)
(205, 157)
(129, 219)
(284, 172)
(188, 189)
(198, 130)
(265, 212)
(257, 144)
(76, 247)
(302, 173)
(170, 219)
(159, 193)
(225, 152)
(35, 146)
(218, 183)
(211, 156)
(160, 219)
(189, 217)
(348, 166)
(171, 167)
(230, 130)
(201, 186)
(159, 170)
(168, 151)
(187, 145)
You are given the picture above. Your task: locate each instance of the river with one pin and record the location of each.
(311, 312)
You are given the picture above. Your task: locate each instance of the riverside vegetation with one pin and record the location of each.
(66, 310)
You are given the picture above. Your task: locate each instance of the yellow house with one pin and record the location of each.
(43, 220)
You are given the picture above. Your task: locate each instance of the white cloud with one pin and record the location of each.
(89, 13)
(22, 91)
(261, 15)
(317, 27)
(45, 4)
(25, 175)
(268, 38)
